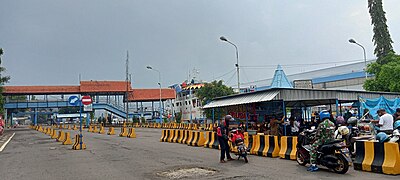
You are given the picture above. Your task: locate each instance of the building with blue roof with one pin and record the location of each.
(343, 77)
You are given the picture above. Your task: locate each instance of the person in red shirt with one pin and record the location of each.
(2, 125)
(237, 136)
(223, 137)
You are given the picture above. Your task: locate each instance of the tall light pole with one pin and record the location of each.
(365, 56)
(222, 38)
(159, 83)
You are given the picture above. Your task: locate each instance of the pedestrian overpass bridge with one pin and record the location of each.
(107, 95)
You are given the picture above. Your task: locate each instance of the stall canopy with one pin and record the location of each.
(298, 97)
(242, 99)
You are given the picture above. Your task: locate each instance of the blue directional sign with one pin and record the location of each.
(73, 100)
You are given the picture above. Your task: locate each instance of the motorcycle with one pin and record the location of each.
(242, 149)
(333, 155)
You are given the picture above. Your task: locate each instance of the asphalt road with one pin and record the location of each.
(33, 155)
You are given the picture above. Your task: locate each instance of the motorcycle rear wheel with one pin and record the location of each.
(300, 159)
(343, 165)
(245, 159)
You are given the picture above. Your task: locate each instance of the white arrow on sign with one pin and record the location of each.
(74, 100)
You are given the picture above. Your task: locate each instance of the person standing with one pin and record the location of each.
(223, 138)
(294, 126)
(396, 115)
(274, 125)
(385, 122)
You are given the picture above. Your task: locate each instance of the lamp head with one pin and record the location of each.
(149, 67)
(352, 41)
(222, 38)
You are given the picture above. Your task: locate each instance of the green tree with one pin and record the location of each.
(212, 90)
(381, 38)
(386, 75)
(3, 80)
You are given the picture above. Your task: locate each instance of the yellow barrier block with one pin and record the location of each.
(75, 128)
(44, 130)
(60, 127)
(163, 134)
(369, 156)
(391, 163)
(111, 131)
(67, 140)
(95, 130)
(131, 133)
(51, 132)
(124, 132)
(61, 137)
(48, 131)
(288, 147)
(77, 145)
(171, 135)
(69, 128)
(54, 135)
(90, 128)
(102, 130)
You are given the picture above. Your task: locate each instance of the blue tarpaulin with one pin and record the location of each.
(374, 105)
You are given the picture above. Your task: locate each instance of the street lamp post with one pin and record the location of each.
(365, 56)
(159, 83)
(222, 38)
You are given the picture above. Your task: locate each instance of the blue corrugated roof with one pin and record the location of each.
(352, 75)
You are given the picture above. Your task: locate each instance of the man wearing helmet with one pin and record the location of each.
(325, 134)
(223, 137)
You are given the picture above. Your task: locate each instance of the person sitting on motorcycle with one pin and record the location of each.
(325, 134)
(238, 136)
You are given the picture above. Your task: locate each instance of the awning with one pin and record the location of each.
(243, 99)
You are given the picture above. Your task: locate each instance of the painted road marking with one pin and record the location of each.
(5, 144)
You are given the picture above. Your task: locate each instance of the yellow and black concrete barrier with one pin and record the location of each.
(90, 128)
(54, 135)
(377, 157)
(124, 132)
(185, 136)
(48, 132)
(288, 147)
(102, 130)
(77, 145)
(111, 131)
(171, 135)
(166, 134)
(197, 139)
(61, 136)
(131, 133)
(67, 140)
(178, 135)
(211, 140)
(95, 129)
(265, 145)
(75, 128)
(163, 134)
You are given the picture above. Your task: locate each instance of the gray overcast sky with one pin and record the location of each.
(51, 42)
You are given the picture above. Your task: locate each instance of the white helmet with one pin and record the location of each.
(343, 130)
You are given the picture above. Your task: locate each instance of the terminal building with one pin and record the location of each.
(342, 77)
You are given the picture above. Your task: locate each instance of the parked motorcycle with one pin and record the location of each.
(334, 155)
